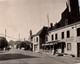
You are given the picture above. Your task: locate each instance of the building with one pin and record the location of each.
(38, 39)
(71, 14)
(64, 36)
(65, 39)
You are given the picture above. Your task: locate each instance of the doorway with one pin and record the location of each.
(78, 49)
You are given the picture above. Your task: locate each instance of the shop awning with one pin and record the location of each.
(52, 43)
(46, 44)
(57, 41)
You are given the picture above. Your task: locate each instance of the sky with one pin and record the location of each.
(21, 16)
(79, 2)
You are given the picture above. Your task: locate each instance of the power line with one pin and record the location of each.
(8, 36)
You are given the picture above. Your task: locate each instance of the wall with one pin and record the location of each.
(73, 37)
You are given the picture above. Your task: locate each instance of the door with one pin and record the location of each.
(78, 49)
(35, 48)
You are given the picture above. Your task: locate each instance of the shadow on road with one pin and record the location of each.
(14, 56)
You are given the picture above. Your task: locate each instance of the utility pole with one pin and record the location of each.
(5, 33)
(5, 37)
(19, 37)
(48, 19)
(24, 39)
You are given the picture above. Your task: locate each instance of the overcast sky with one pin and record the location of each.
(21, 16)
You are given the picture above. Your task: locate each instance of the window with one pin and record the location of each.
(69, 46)
(34, 39)
(78, 32)
(62, 35)
(52, 37)
(37, 39)
(46, 38)
(68, 34)
(56, 36)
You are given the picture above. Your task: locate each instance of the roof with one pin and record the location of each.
(18, 42)
(44, 28)
(28, 42)
(65, 26)
(40, 31)
(67, 18)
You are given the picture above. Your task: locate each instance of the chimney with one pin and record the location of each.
(30, 32)
(30, 38)
(68, 4)
(51, 25)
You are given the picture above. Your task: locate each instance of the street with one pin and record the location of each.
(17, 56)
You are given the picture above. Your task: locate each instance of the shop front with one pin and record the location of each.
(54, 47)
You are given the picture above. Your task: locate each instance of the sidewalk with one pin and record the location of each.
(65, 59)
(2, 51)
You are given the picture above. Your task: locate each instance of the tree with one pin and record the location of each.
(3, 42)
(11, 42)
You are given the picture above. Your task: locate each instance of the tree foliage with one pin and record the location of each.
(3, 42)
(24, 44)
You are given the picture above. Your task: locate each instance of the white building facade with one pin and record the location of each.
(35, 42)
(38, 39)
(70, 35)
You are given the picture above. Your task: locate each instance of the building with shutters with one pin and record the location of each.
(64, 36)
(64, 40)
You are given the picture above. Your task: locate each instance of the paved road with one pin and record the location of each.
(16, 56)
